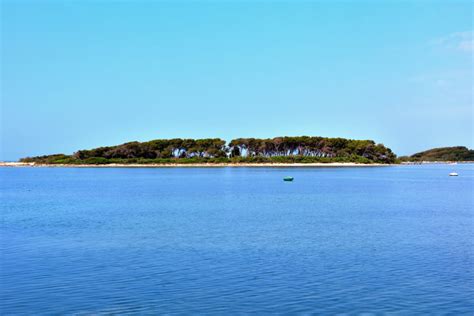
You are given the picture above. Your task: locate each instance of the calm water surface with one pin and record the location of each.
(237, 240)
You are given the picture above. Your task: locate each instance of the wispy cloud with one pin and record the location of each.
(462, 41)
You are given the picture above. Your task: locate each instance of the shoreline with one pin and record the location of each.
(230, 165)
(196, 165)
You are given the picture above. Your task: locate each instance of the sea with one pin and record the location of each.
(395, 240)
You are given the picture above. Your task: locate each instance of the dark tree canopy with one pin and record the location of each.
(160, 148)
(312, 147)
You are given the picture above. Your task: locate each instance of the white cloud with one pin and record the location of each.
(467, 46)
(462, 41)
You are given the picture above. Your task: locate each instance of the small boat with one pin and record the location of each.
(288, 179)
(453, 174)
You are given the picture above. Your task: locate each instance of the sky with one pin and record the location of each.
(83, 74)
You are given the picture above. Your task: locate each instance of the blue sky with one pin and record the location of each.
(82, 74)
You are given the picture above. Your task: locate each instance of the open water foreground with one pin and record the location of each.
(396, 239)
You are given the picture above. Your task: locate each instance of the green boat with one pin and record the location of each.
(288, 179)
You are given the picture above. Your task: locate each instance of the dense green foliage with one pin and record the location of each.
(319, 147)
(459, 153)
(160, 148)
(303, 149)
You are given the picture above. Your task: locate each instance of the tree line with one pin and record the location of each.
(278, 149)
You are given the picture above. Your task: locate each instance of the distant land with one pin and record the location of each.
(458, 153)
(278, 150)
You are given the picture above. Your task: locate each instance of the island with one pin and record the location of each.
(442, 154)
(301, 150)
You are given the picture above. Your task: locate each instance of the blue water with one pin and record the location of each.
(237, 240)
